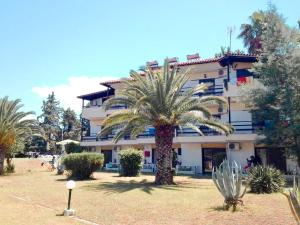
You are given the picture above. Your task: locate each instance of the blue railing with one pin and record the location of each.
(241, 127)
(118, 107)
(212, 90)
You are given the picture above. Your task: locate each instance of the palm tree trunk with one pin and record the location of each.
(164, 141)
(2, 158)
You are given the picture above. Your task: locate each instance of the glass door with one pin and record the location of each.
(212, 157)
(107, 156)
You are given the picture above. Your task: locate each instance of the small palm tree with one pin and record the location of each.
(158, 100)
(13, 125)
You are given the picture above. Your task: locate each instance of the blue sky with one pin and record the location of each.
(69, 45)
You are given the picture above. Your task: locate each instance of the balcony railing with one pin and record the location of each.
(241, 127)
(212, 90)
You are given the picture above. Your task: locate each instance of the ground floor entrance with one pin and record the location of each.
(212, 157)
(107, 156)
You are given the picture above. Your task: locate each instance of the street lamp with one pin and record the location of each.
(70, 186)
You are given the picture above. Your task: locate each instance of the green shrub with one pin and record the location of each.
(82, 165)
(131, 162)
(73, 148)
(265, 180)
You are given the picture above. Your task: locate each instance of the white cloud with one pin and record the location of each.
(67, 93)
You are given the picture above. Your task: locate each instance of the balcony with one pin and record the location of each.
(241, 127)
(216, 90)
(90, 112)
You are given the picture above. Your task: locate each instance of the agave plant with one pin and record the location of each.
(228, 179)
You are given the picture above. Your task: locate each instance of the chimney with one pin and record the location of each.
(193, 56)
(172, 60)
(152, 64)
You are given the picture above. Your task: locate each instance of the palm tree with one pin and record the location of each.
(13, 125)
(252, 33)
(157, 100)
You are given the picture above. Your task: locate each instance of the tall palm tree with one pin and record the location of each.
(158, 100)
(13, 125)
(252, 33)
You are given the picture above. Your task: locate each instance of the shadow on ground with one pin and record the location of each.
(125, 186)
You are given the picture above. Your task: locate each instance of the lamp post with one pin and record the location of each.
(70, 186)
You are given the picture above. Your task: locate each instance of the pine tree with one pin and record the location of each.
(277, 103)
(71, 125)
(50, 121)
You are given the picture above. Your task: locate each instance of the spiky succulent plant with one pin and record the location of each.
(228, 179)
(265, 179)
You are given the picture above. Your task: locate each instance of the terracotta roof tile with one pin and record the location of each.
(114, 81)
(197, 61)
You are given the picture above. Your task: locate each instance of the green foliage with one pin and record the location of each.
(131, 162)
(252, 32)
(71, 125)
(276, 104)
(227, 50)
(35, 143)
(265, 180)
(13, 127)
(73, 148)
(228, 180)
(50, 120)
(85, 126)
(158, 99)
(82, 165)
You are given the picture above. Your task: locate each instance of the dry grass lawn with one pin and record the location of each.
(35, 196)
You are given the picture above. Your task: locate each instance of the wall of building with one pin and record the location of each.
(95, 126)
(240, 156)
(191, 155)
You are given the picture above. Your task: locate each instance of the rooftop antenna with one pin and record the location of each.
(230, 31)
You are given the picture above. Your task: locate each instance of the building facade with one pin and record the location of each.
(195, 154)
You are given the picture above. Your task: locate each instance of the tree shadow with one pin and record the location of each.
(202, 177)
(218, 208)
(74, 178)
(125, 186)
(223, 208)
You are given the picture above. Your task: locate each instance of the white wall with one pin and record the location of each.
(240, 156)
(98, 149)
(240, 115)
(191, 155)
(95, 127)
(96, 102)
(115, 154)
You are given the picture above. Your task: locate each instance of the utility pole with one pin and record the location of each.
(230, 31)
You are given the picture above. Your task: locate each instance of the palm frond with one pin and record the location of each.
(158, 98)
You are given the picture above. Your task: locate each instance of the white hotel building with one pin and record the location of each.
(196, 154)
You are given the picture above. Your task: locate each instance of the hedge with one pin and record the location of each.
(131, 162)
(82, 165)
